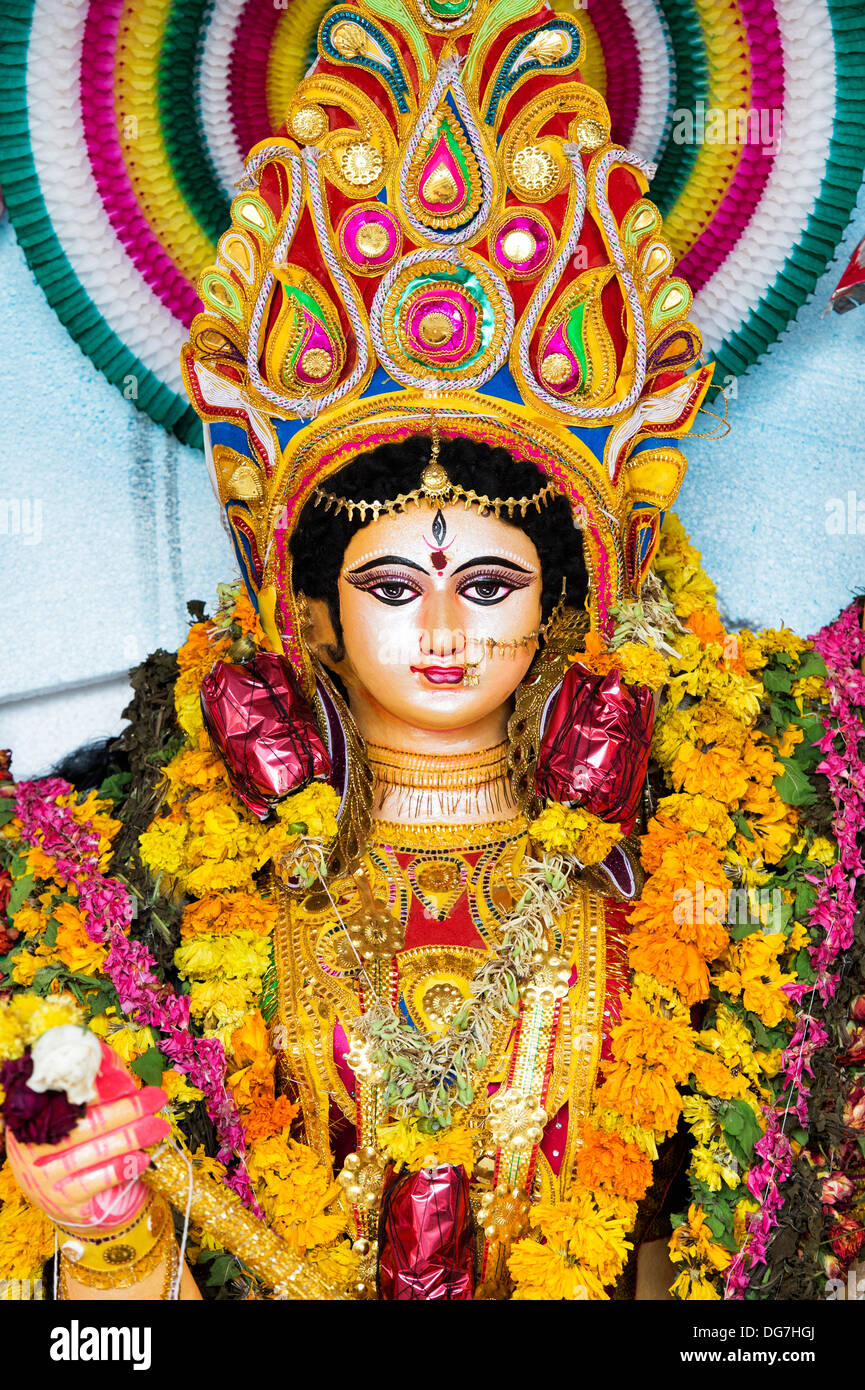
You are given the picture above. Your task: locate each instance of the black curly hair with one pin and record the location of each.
(321, 537)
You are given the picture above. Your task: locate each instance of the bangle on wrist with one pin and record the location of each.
(123, 1257)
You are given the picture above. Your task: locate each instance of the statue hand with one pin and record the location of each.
(90, 1178)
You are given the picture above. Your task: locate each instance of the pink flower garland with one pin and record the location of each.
(107, 910)
(842, 646)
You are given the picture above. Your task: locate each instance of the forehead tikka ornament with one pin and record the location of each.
(435, 490)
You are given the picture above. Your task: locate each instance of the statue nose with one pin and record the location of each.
(441, 636)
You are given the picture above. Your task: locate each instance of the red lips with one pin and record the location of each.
(441, 675)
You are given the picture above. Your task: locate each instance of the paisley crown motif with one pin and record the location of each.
(445, 226)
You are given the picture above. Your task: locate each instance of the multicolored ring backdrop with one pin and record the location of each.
(124, 124)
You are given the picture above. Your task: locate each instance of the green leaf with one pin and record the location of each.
(812, 664)
(742, 825)
(115, 787)
(741, 1130)
(803, 967)
(51, 932)
(806, 896)
(150, 1066)
(7, 809)
(45, 977)
(21, 890)
(793, 785)
(776, 680)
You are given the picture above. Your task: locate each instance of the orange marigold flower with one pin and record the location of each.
(672, 962)
(707, 626)
(641, 1097)
(648, 1039)
(717, 772)
(607, 1162)
(228, 912)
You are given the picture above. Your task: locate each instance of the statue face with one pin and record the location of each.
(440, 611)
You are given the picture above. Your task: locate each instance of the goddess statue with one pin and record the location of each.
(442, 365)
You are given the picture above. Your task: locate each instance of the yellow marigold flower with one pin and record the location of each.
(178, 1089)
(40, 864)
(713, 723)
(51, 1012)
(125, 1039)
(592, 1233)
(213, 877)
(29, 920)
(24, 967)
(611, 1121)
(672, 727)
(221, 1002)
(546, 1275)
(244, 953)
(740, 695)
(315, 807)
(701, 813)
(715, 1079)
(693, 1286)
(162, 846)
(230, 912)
(700, 1118)
(187, 708)
(298, 1198)
(782, 639)
(73, 945)
(731, 1039)
(26, 1235)
(693, 1241)
(790, 739)
(412, 1149)
(823, 850)
(649, 1039)
(705, 1169)
(338, 1264)
(809, 688)
(751, 651)
(11, 1036)
(577, 832)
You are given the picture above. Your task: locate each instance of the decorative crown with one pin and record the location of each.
(445, 229)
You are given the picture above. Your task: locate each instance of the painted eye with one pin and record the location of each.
(486, 590)
(393, 591)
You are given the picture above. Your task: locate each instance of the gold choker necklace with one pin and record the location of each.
(424, 785)
(434, 772)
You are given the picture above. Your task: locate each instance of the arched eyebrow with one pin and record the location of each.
(492, 560)
(389, 560)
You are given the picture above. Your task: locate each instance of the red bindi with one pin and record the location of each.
(438, 560)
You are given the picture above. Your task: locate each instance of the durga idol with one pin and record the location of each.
(442, 367)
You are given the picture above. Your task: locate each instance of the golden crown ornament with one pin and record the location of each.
(444, 231)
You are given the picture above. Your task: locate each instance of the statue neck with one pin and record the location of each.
(449, 788)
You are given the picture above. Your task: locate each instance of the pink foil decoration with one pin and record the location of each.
(595, 745)
(263, 729)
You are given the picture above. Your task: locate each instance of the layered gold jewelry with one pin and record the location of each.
(452, 782)
(123, 1258)
(451, 772)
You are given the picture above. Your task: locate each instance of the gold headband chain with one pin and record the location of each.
(436, 489)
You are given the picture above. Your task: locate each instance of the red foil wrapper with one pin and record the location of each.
(426, 1240)
(595, 745)
(264, 729)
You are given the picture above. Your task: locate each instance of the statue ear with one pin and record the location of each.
(322, 641)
